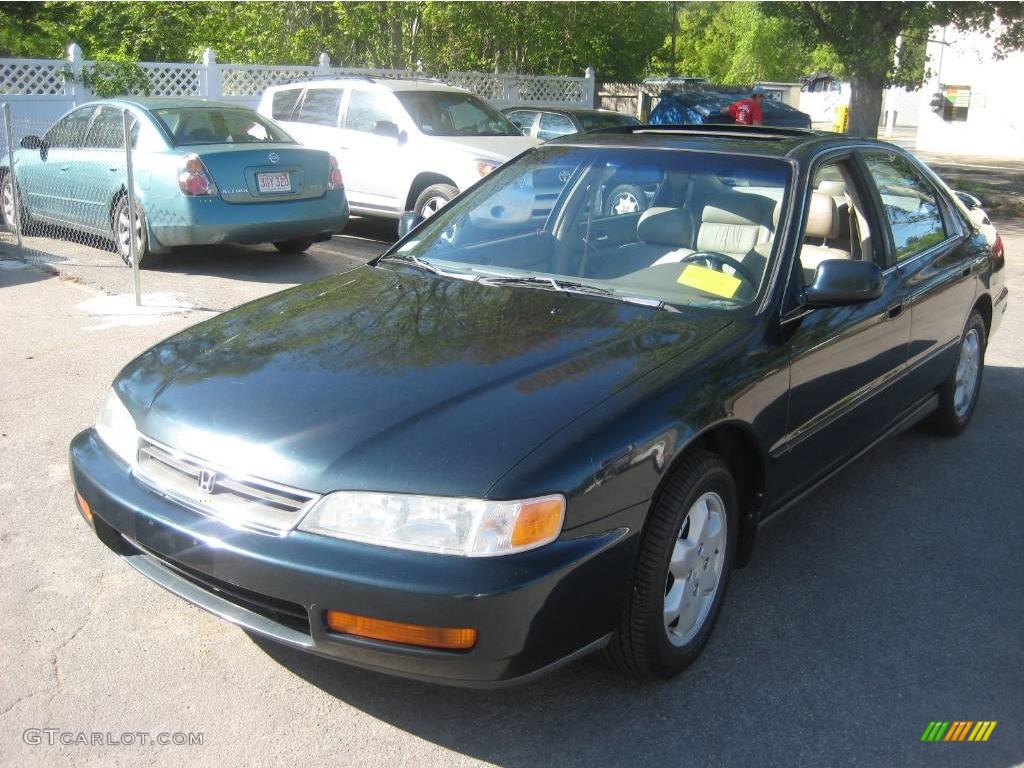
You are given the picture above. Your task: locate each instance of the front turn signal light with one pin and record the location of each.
(83, 507)
(446, 638)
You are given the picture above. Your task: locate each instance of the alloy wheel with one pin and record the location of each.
(624, 203)
(967, 368)
(432, 205)
(695, 568)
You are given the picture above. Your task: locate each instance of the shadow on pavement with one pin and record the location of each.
(890, 597)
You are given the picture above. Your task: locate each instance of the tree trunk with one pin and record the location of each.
(865, 105)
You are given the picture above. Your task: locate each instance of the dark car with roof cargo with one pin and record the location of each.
(532, 430)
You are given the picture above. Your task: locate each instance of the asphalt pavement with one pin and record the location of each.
(888, 599)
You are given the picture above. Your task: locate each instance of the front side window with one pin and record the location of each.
(552, 125)
(283, 103)
(214, 125)
(365, 110)
(523, 120)
(910, 205)
(453, 113)
(69, 131)
(321, 106)
(703, 234)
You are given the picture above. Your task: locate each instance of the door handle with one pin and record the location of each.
(114, 169)
(966, 271)
(64, 169)
(895, 310)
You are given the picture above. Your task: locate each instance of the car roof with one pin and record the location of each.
(578, 111)
(736, 139)
(169, 102)
(425, 84)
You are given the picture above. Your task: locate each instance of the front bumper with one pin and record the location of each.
(209, 221)
(532, 611)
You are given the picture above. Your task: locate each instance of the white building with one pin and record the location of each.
(978, 109)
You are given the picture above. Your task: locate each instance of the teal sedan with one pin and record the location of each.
(205, 173)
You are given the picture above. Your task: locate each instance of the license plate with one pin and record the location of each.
(274, 182)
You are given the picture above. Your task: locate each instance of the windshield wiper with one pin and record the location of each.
(571, 286)
(426, 266)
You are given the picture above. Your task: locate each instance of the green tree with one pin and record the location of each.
(737, 44)
(865, 38)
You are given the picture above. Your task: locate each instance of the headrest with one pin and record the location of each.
(739, 208)
(833, 188)
(822, 217)
(664, 226)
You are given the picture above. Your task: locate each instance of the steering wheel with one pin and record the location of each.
(721, 259)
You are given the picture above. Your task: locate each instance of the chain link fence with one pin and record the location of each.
(64, 186)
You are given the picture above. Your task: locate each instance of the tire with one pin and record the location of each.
(625, 199)
(7, 193)
(298, 245)
(958, 394)
(645, 643)
(433, 198)
(118, 221)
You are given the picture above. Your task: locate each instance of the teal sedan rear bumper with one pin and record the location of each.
(211, 220)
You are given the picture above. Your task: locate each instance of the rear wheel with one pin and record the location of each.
(122, 231)
(434, 198)
(959, 393)
(298, 245)
(682, 571)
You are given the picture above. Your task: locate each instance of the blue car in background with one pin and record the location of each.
(205, 173)
(699, 107)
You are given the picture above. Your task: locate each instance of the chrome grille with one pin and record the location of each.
(239, 500)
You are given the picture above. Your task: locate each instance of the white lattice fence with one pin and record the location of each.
(247, 80)
(485, 85)
(32, 77)
(174, 79)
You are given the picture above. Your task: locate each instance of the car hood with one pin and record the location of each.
(496, 147)
(394, 380)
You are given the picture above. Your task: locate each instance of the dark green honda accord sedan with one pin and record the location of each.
(538, 426)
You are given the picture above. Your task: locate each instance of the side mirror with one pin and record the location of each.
(387, 129)
(969, 200)
(32, 142)
(407, 222)
(842, 281)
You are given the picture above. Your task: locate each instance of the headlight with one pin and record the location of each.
(451, 526)
(483, 167)
(116, 428)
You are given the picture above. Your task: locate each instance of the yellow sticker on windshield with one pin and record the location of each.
(709, 281)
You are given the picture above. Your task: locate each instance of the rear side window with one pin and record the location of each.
(283, 103)
(321, 106)
(107, 130)
(910, 205)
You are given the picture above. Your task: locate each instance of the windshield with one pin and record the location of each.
(450, 113)
(216, 125)
(596, 122)
(672, 227)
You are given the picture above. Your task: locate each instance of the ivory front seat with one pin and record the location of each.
(822, 224)
(736, 224)
(662, 234)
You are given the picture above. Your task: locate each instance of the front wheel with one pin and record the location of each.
(959, 392)
(434, 198)
(122, 231)
(7, 193)
(682, 571)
